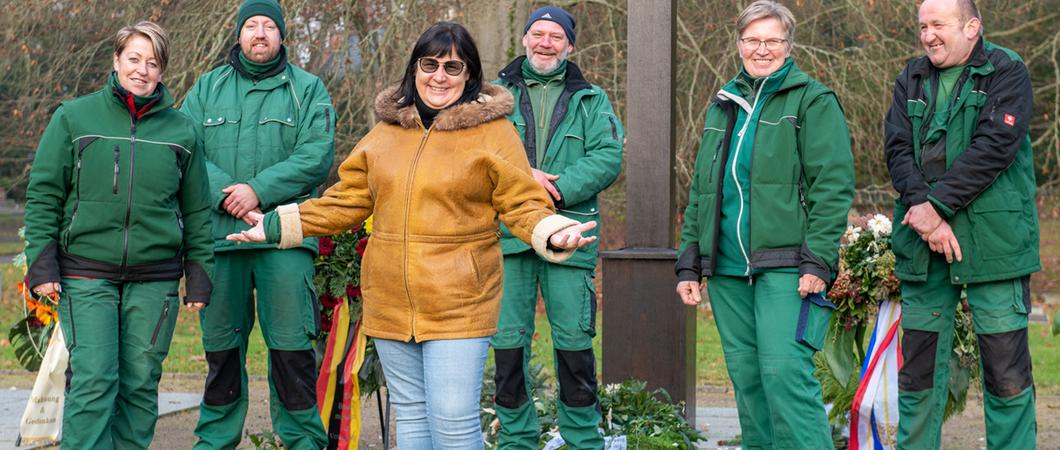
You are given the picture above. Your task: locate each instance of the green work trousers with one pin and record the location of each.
(289, 316)
(570, 302)
(999, 316)
(778, 399)
(118, 334)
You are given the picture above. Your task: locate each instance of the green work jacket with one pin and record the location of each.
(584, 149)
(985, 189)
(276, 135)
(800, 186)
(120, 197)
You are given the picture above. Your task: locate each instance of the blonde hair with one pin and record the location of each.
(150, 31)
(766, 9)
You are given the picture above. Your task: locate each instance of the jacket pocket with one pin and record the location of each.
(998, 226)
(572, 148)
(708, 210)
(117, 159)
(155, 233)
(814, 316)
(221, 127)
(910, 252)
(95, 231)
(277, 126)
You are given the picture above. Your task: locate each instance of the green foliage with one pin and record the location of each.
(266, 440)
(648, 419)
(646, 416)
(29, 342)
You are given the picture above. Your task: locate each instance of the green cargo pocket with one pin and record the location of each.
(163, 331)
(587, 321)
(924, 318)
(814, 315)
(1013, 299)
(310, 308)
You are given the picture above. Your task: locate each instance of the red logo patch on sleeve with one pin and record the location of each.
(1010, 120)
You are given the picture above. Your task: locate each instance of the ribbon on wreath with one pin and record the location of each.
(338, 393)
(874, 411)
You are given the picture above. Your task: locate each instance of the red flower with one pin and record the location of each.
(35, 322)
(326, 246)
(352, 291)
(329, 300)
(325, 322)
(361, 245)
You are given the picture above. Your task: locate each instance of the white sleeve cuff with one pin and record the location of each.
(545, 229)
(290, 226)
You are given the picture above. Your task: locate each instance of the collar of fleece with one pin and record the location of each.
(493, 102)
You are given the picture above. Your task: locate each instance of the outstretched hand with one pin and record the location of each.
(571, 237)
(255, 234)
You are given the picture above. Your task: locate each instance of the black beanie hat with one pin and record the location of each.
(555, 14)
(267, 8)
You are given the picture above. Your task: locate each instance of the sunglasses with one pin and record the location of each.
(452, 67)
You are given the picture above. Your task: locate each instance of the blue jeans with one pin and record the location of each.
(435, 388)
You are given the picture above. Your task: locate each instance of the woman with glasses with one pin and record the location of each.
(438, 171)
(772, 184)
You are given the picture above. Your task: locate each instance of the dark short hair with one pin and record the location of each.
(968, 10)
(439, 40)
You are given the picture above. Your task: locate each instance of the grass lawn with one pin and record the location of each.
(186, 354)
(10, 248)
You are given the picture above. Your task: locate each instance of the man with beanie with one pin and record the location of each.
(957, 145)
(268, 130)
(574, 143)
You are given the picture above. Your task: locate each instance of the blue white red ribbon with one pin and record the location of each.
(874, 412)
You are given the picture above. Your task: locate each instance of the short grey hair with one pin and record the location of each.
(767, 9)
(150, 31)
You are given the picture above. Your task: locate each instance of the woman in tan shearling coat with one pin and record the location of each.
(438, 171)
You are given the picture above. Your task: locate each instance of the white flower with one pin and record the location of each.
(880, 226)
(852, 234)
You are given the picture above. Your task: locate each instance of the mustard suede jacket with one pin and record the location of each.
(432, 268)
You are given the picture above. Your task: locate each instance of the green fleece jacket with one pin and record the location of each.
(972, 160)
(274, 132)
(116, 196)
(585, 143)
(799, 184)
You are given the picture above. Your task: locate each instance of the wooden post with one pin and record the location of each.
(648, 333)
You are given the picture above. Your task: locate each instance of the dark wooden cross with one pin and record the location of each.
(648, 333)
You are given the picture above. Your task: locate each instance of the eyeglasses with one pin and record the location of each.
(754, 44)
(452, 67)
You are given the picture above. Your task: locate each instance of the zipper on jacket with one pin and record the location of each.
(77, 200)
(129, 198)
(730, 110)
(739, 189)
(405, 235)
(161, 320)
(327, 120)
(117, 154)
(710, 174)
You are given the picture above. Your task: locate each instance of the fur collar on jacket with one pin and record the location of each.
(493, 102)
